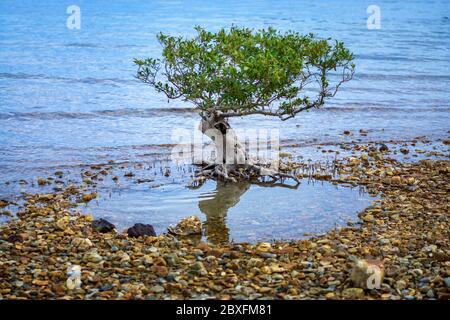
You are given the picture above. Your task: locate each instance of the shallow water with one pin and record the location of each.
(68, 97)
(237, 212)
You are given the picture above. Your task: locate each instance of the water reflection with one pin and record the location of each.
(216, 209)
(237, 212)
(227, 195)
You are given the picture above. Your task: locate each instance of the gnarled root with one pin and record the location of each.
(274, 174)
(234, 173)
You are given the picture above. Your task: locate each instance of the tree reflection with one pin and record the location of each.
(227, 195)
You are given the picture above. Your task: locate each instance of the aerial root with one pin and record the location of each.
(274, 174)
(234, 173)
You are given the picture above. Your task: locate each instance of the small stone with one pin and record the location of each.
(62, 223)
(40, 283)
(266, 270)
(157, 289)
(430, 248)
(172, 259)
(330, 295)
(277, 269)
(160, 262)
(416, 272)
(400, 284)
(88, 196)
(42, 181)
(264, 290)
(254, 262)
(7, 213)
(277, 277)
(160, 271)
(404, 150)
(410, 181)
(353, 293)
(171, 277)
(82, 243)
(447, 282)
(140, 229)
(263, 247)
(106, 287)
(74, 279)
(93, 256)
(187, 226)
(383, 148)
(396, 180)
(46, 197)
(197, 266)
(69, 231)
(268, 255)
(352, 161)
(124, 257)
(147, 259)
(144, 180)
(285, 155)
(368, 218)
(198, 269)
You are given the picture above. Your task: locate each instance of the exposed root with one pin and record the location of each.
(235, 173)
(275, 175)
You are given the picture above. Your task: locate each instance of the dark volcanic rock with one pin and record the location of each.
(103, 226)
(140, 229)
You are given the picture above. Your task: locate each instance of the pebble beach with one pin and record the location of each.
(404, 235)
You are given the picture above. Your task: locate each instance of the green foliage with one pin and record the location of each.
(238, 72)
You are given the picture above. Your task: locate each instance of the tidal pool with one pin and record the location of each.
(239, 212)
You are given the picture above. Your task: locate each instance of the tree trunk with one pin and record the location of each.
(230, 152)
(232, 161)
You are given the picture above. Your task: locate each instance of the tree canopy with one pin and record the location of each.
(239, 72)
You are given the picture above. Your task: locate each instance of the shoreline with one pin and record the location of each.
(406, 232)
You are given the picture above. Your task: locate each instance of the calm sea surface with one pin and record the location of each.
(69, 97)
